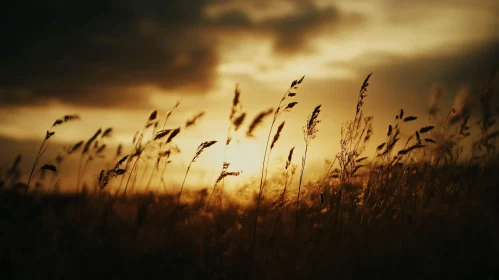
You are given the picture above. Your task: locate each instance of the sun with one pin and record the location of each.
(244, 155)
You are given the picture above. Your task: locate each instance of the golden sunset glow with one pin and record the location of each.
(261, 46)
(249, 139)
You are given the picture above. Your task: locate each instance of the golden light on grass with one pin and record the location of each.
(185, 141)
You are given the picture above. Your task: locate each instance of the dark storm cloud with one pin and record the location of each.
(291, 32)
(408, 80)
(97, 53)
(472, 65)
(93, 52)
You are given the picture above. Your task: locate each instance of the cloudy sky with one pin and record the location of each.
(113, 62)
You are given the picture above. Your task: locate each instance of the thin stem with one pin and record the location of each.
(225, 158)
(325, 177)
(123, 177)
(267, 169)
(182, 187)
(150, 178)
(211, 195)
(261, 184)
(263, 169)
(131, 173)
(41, 151)
(143, 174)
(78, 178)
(83, 172)
(299, 190)
(34, 165)
(162, 181)
(278, 218)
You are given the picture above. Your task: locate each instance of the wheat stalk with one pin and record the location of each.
(199, 150)
(44, 147)
(309, 132)
(280, 110)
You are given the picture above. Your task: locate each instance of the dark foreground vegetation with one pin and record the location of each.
(446, 234)
(418, 209)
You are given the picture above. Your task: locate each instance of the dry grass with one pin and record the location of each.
(415, 209)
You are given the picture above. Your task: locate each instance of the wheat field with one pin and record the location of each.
(414, 207)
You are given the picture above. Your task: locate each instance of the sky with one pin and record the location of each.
(113, 62)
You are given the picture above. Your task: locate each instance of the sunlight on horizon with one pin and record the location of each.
(261, 47)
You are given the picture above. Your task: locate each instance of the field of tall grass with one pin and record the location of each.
(416, 207)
